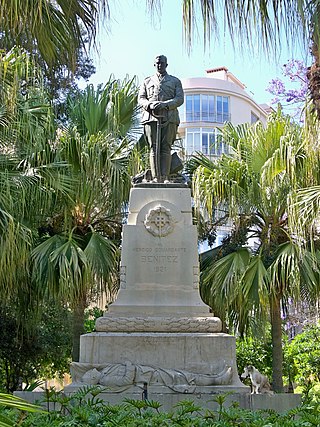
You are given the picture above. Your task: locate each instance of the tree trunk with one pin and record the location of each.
(78, 327)
(313, 73)
(277, 353)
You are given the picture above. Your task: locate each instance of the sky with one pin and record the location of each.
(131, 39)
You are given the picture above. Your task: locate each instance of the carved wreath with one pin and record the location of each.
(159, 221)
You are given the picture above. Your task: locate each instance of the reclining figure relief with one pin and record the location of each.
(121, 376)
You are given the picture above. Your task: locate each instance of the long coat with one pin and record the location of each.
(167, 90)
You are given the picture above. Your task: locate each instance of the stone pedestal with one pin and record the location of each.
(159, 271)
(158, 334)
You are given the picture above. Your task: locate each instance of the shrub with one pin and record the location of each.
(85, 408)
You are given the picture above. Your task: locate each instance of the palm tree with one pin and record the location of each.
(25, 129)
(264, 167)
(305, 207)
(78, 249)
(52, 28)
(62, 195)
(78, 180)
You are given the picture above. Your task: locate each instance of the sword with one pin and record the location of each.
(158, 144)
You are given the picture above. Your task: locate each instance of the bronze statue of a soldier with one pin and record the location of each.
(160, 96)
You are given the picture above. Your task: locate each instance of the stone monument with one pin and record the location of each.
(158, 336)
(158, 340)
(158, 333)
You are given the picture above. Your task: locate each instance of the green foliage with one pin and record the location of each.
(303, 352)
(62, 191)
(53, 30)
(85, 409)
(90, 317)
(8, 401)
(43, 351)
(55, 335)
(256, 352)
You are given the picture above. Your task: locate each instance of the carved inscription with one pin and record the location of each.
(160, 259)
(160, 250)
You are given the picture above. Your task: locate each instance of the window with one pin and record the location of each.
(207, 108)
(193, 140)
(254, 118)
(192, 108)
(206, 140)
(225, 108)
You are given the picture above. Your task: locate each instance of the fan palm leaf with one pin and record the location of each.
(54, 28)
(249, 22)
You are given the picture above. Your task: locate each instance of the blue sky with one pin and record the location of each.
(132, 39)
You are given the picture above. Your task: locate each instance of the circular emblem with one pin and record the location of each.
(159, 221)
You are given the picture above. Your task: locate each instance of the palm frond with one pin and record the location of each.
(112, 108)
(307, 203)
(255, 282)
(15, 246)
(54, 28)
(101, 255)
(224, 275)
(17, 403)
(249, 22)
(284, 271)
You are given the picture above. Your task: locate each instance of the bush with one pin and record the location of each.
(85, 409)
(303, 355)
(256, 352)
(42, 350)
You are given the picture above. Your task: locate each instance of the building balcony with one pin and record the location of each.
(206, 118)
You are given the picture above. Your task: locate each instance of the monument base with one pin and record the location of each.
(158, 336)
(166, 363)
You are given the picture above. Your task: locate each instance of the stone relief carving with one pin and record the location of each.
(159, 221)
(119, 377)
(123, 277)
(196, 273)
(158, 324)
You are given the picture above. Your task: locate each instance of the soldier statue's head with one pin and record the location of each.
(161, 63)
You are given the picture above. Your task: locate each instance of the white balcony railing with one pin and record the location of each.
(210, 118)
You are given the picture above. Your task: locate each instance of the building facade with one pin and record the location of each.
(210, 102)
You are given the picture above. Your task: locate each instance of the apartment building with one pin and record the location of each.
(211, 101)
